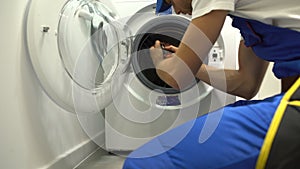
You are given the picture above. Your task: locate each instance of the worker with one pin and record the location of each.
(262, 134)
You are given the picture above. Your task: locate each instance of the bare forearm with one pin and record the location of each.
(244, 82)
(230, 81)
(176, 73)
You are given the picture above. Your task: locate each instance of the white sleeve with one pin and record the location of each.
(202, 7)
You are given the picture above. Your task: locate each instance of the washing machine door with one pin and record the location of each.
(78, 50)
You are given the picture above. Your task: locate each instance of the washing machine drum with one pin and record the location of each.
(168, 29)
(143, 63)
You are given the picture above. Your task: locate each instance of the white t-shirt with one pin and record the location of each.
(281, 13)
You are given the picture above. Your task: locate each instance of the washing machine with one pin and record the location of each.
(146, 107)
(94, 62)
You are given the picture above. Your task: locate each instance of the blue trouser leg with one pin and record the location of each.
(234, 144)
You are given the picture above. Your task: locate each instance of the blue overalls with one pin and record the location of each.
(239, 137)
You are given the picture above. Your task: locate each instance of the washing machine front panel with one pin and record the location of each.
(78, 50)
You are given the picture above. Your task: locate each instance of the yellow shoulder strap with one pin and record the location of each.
(265, 150)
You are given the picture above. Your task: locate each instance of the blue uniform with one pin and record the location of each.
(275, 44)
(235, 144)
(237, 141)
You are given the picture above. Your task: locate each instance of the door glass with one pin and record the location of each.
(77, 48)
(91, 42)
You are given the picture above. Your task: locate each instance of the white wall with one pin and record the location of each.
(270, 85)
(35, 132)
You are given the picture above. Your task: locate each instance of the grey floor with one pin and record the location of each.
(102, 160)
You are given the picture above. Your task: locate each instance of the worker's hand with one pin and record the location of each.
(156, 53)
(169, 67)
(169, 47)
(161, 51)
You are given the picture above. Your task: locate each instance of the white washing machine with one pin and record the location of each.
(93, 62)
(147, 107)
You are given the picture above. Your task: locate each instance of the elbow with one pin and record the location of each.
(250, 90)
(249, 95)
(247, 85)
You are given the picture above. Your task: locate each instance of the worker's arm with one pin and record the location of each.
(179, 71)
(244, 82)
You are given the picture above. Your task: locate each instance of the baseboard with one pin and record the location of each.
(73, 157)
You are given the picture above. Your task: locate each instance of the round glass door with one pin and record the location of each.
(78, 50)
